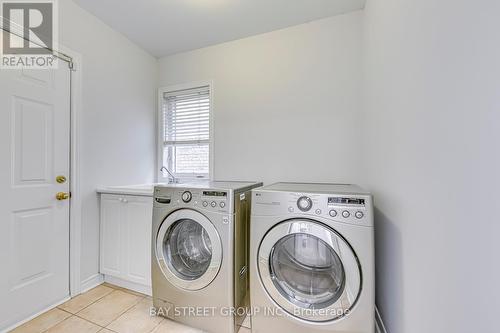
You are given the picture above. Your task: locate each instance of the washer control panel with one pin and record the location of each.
(203, 199)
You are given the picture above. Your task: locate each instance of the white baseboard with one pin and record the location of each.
(10, 328)
(91, 282)
(140, 288)
(379, 323)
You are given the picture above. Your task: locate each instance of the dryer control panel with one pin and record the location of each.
(350, 208)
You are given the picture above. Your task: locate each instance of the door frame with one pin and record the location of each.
(75, 218)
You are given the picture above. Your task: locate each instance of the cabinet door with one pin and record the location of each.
(110, 238)
(137, 239)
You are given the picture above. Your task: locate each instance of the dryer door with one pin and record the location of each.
(309, 270)
(189, 249)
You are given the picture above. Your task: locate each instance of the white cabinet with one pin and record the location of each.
(112, 212)
(125, 239)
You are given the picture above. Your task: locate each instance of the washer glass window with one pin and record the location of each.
(188, 249)
(307, 271)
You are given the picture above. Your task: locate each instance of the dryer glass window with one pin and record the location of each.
(188, 249)
(307, 271)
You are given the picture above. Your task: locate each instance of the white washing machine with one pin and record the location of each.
(200, 253)
(312, 259)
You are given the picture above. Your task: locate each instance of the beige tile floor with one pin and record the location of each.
(105, 309)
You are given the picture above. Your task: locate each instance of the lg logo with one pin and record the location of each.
(33, 21)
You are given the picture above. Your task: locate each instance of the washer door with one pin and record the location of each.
(189, 249)
(309, 270)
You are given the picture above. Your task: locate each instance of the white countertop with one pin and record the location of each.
(147, 189)
(138, 189)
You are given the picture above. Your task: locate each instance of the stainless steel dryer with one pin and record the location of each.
(312, 259)
(200, 253)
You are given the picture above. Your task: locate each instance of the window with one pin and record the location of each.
(185, 132)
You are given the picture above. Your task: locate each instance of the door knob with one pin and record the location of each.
(61, 179)
(62, 196)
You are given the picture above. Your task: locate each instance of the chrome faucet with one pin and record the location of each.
(171, 179)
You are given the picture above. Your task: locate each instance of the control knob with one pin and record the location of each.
(304, 203)
(186, 196)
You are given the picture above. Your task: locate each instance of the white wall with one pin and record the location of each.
(117, 119)
(431, 157)
(286, 103)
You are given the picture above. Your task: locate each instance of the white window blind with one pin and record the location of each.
(186, 131)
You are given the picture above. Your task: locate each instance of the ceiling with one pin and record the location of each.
(164, 27)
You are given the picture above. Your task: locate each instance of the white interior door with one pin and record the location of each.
(34, 225)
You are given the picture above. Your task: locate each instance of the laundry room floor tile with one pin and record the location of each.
(106, 284)
(169, 326)
(137, 319)
(43, 322)
(80, 302)
(108, 308)
(74, 325)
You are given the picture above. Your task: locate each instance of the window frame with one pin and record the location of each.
(160, 177)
